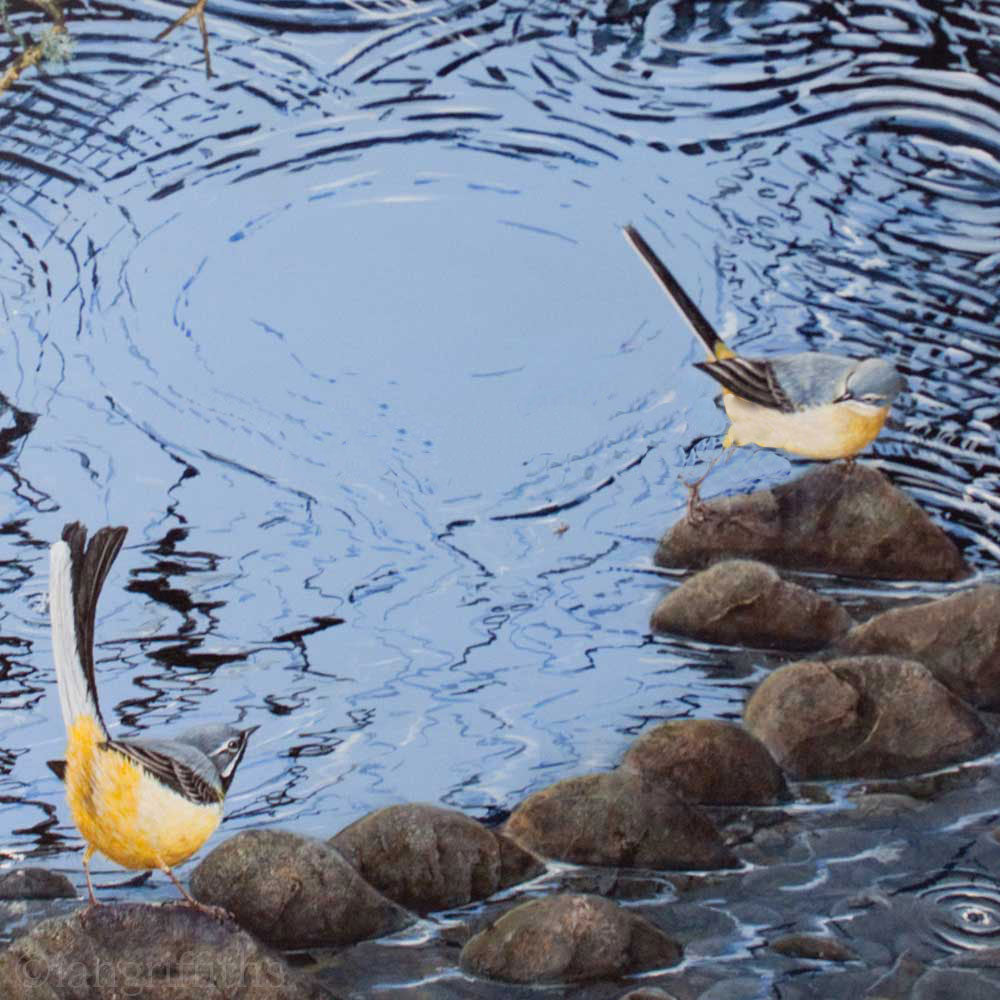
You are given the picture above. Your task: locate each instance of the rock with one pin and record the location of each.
(710, 762)
(740, 601)
(293, 891)
(957, 638)
(866, 716)
(648, 993)
(35, 883)
(815, 946)
(428, 858)
(617, 818)
(568, 938)
(838, 518)
(154, 952)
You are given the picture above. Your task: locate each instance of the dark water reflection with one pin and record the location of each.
(348, 337)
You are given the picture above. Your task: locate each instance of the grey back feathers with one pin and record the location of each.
(791, 382)
(811, 379)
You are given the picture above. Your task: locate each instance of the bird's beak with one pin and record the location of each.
(248, 732)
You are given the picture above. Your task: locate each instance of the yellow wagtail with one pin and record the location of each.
(816, 405)
(143, 803)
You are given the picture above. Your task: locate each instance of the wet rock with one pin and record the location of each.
(428, 858)
(871, 716)
(957, 638)
(740, 601)
(35, 883)
(568, 938)
(734, 988)
(838, 518)
(617, 818)
(648, 993)
(708, 761)
(873, 804)
(815, 946)
(293, 891)
(953, 984)
(153, 952)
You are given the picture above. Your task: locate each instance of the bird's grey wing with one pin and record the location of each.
(184, 769)
(750, 378)
(811, 379)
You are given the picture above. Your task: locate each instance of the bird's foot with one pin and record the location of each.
(218, 913)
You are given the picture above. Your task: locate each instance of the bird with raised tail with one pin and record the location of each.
(821, 406)
(142, 803)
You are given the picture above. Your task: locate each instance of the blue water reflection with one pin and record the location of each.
(349, 338)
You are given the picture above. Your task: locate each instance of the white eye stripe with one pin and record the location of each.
(228, 770)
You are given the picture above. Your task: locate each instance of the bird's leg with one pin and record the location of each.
(197, 9)
(87, 855)
(696, 510)
(219, 913)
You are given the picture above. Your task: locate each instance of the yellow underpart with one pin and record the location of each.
(837, 430)
(126, 813)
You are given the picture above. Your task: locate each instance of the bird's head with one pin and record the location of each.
(871, 382)
(223, 745)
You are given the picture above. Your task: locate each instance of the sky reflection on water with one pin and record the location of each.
(348, 336)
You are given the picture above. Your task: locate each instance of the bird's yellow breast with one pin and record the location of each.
(836, 430)
(126, 813)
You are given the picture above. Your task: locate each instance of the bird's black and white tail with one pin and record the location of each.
(76, 576)
(717, 348)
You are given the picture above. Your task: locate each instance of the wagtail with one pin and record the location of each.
(816, 405)
(143, 803)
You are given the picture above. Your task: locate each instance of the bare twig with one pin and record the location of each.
(197, 9)
(52, 45)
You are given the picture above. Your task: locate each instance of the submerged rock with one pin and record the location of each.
(746, 602)
(155, 952)
(618, 818)
(568, 938)
(35, 883)
(838, 518)
(957, 638)
(708, 761)
(428, 858)
(293, 891)
(815, 946)
(865, 716)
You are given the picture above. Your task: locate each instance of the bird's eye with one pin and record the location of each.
(233, 745)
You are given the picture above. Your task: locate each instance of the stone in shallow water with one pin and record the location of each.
(618, 818)
(648, 993)
(154, 952)
(957, 638)
(836, 519)
(428, 858)
(293, 891)
(35, 883)
(744, 601)
(568, 938)
(708, 761)
(815, 946)
(866, 716)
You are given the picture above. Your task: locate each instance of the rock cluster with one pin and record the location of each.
(892, 696)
